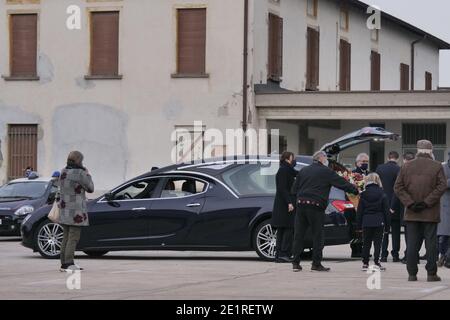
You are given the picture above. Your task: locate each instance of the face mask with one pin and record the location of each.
(326, 163)
(364, 166)
(294, 163)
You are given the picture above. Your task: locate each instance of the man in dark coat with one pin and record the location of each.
(420, 186)
(362, 164)
(388, 173)
(283, 208)
(312, 188)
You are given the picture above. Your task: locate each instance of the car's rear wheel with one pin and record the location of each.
(96, 254)
(264, 240)
(49, 236)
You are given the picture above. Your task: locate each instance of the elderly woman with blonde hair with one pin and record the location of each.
(372, 215)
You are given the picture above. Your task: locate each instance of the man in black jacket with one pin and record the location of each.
(312, 188)
(388, 173)
(283, 208)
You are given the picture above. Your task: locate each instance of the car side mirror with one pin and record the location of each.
(109, 197)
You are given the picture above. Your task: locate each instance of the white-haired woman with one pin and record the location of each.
(362, 164)
(373, 210)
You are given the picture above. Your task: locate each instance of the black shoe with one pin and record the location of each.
(319, 268)
(296, 267)
(403, 260)
(433, 278)
(396, 259)
(365, 267)
(412, 278)
(380, 267)
(286, 259)
(384, 259)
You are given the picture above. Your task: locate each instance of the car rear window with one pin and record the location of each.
(252, 179)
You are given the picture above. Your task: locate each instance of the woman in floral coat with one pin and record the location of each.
(74, 182)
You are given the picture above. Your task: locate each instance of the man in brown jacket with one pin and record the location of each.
(419, 186)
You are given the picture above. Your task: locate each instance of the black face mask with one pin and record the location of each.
(294, 163)
(364, 166)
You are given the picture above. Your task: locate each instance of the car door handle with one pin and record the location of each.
(139, 209)
(190, 205)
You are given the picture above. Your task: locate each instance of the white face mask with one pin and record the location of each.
(326, 163)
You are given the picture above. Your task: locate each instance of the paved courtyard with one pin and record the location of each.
(204, 275)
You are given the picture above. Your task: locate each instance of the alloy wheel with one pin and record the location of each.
(266, 241)
(49, 238)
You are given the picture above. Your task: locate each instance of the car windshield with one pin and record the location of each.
(27, 190)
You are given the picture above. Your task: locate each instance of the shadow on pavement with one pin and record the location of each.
(10, 239)
(159, 258)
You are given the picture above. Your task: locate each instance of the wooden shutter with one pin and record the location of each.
(275, 64)
(404, 76)
(272, 49)
(375, 71)
(22, 151)
(191, 41)
(312, 68)
(345, 66)
(280, 49)
(105, 43)
(428, 81)
(23, 31)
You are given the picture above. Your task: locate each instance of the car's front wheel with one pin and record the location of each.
(264, 241)
(49, 236)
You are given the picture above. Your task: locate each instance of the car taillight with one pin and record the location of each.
(342, 205)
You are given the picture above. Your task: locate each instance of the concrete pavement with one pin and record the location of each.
(204, 275)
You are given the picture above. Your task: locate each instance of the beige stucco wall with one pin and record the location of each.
(123, 126)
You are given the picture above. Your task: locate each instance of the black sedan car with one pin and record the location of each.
(21, 197)
(220, 204)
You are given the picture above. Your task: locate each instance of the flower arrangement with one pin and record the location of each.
(357, 180)
(354, 178)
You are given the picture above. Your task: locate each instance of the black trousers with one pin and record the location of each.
(417, 231)
(285, 238)
(372, 235)
(443, 246)
(305, 217)
(395, 229)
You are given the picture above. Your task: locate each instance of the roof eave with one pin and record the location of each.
(441, 44)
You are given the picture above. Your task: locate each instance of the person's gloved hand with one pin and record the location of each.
(355, 191)
(421, 206)
(418, 207)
